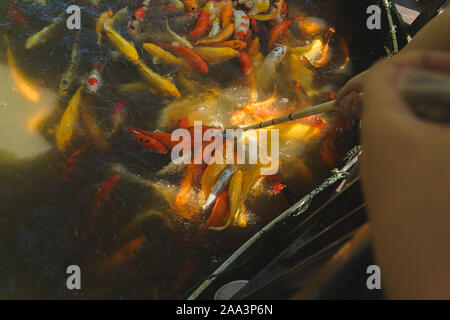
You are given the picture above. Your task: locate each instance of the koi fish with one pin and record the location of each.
(219, 186)
(160, 83)
(164, 138)
(45, 34)
(136, 18)
(235, 199)
(108, 14)
(125, 252)
(147, 141)
(70, 164)
(258, 7)
(69, 76)
(16, 15)
(201, 27)
(254, 52)
(216, 55)
(90, 122)
(226, 15)
(309, 26)
(103, 193)
(134, 88)
(190, 5)
(272, 15)
(215, 28)
(235, 44)
(276, 32)
(241, 25)
(209, 178)
(245, 62)
(94, 81)
(277, 185)
(221, 36)
(191, 58)
(41, 2)
(176, 39)
(268, 67)
(220, 211)
(325, 56)
(69, 121)
(162, 54)
(119, 42)
(179, 5)
(117, 115)
(29, 90)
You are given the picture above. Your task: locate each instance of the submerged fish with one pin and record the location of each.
(216, 55)
(271, 15)
(191, 58)
(90, 123)
(45, 34)
(70, 74)
(259, 6)
(29, 90)
(94, 81)
(117, 115)
(69, 121)
(16, 15)
(245, 62)
(124, 253)
(266, 71)
(71, 162)
(221, 36)
(276, 32)
(162, 54)
(219, 186)
(241, 25)
(226, 15)
(201, 27)
(119, 42)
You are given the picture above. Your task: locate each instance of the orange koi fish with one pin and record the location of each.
(117, 115)
(222, 36)
(190, 5)
(103, 193)
(70, 164)
(147, 141)
(183, 123)
(325, 54)
(220, 211)
(226, 14)
(245, 62)
(276, 32)
(241, 25)
(94, 81)
(201, 26)
(189, 56)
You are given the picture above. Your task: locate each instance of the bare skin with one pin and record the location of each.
(406, 173)
(431, 37)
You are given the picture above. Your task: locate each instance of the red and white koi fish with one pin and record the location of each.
(147, 142)
(241, 25)
(94, 81)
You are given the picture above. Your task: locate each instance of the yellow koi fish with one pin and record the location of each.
(215, 55)
(24, 86)
(90, 122)
(69, 121)
(162, 54)
(209, 178)
(163, 85)
(45, 34)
